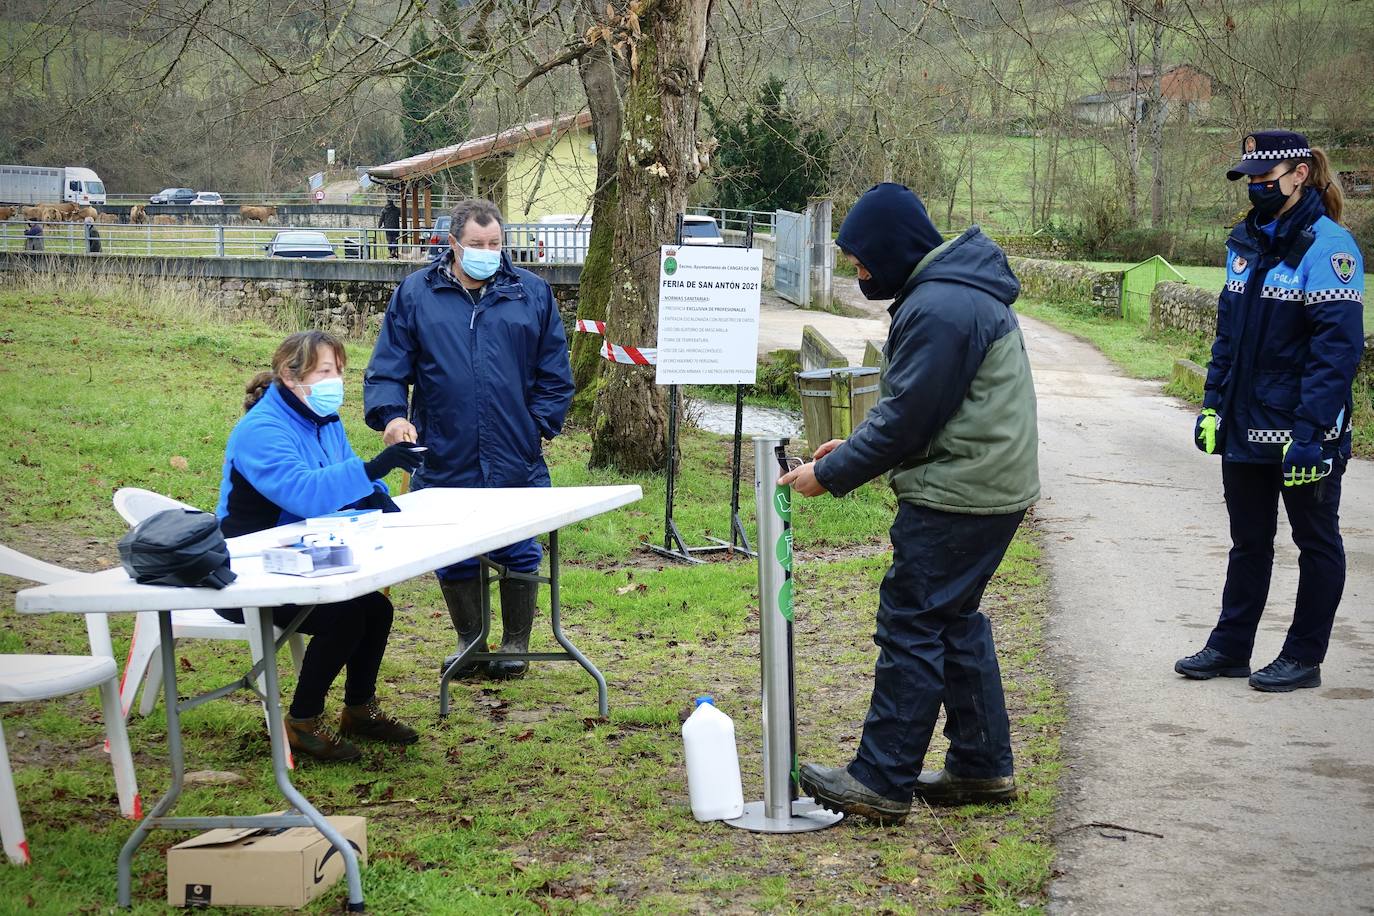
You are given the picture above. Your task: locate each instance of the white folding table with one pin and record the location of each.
(436, 527)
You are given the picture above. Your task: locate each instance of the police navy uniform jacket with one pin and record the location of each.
(488, 380)
(1289, 335)
(283, 463)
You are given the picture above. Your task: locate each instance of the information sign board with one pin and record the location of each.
(708, 315)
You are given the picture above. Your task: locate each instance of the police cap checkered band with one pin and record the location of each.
(1260, 151)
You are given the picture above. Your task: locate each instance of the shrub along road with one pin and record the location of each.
(1247, 801)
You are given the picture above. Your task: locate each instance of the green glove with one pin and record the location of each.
(1206, 429)
(1303, 463)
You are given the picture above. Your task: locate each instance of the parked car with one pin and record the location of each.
(180, 196)
(207, 199)
(700, 230)
(297, 243)
(437, 238)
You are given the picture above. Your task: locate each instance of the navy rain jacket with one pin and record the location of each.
(483, 383)
(1289, 335)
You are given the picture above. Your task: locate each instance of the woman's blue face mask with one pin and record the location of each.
(479, 263)
(326, 396)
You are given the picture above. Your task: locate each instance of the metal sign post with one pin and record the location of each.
(782, 809)
(673, 544)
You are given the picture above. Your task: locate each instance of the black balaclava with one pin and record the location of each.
(889, 232)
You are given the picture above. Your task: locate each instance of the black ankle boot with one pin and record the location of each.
(518, 598)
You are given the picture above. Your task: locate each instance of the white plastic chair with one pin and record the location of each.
(24, 678)
(134, 505)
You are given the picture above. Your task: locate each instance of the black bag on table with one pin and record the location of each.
(181, 547)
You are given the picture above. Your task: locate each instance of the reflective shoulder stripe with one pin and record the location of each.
(1331, 295)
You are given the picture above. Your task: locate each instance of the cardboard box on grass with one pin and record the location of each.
(286, 867)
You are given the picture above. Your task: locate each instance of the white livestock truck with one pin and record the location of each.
(37, 184)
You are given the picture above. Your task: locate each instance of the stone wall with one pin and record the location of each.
(1056, 281)
(1194, 308)
(1184, 307)
(340, 295)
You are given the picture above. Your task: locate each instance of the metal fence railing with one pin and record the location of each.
(526, 243)
(738, 220)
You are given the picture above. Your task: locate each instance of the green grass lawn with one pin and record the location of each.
(522, 801)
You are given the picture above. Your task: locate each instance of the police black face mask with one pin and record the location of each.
(1268, 198)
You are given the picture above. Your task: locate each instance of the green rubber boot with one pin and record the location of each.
(517, 619)
(464, 600)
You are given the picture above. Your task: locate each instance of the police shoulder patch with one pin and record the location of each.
(1343, 263)
(1238, 265)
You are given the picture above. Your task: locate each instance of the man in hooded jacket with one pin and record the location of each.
(472, 363)
(955, 431)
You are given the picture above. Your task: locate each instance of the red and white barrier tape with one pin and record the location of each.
(632, 356)
(637, 356)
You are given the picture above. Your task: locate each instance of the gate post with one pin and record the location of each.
(821, 266)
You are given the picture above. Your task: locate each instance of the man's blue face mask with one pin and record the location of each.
(479, 263)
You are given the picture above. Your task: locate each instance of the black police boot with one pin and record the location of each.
(517, 619)
(942, 787)
(1284, 674)
(835, 790)
(1210, 663)
(464, 600)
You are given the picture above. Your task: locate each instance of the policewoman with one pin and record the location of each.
(1278, 405)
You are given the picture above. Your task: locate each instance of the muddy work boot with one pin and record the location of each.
(835, 790)
(464, 600)
(367, 721)
(941, 787)
(517, 619)
(313, 738)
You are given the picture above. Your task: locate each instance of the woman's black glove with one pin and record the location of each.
(403, 455)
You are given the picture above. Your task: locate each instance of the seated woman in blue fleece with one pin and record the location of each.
(287, 459)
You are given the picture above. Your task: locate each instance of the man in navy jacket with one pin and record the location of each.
(472, 363)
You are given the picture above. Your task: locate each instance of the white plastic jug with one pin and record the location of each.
(712, 764)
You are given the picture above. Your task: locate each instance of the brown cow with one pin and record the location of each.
(86, 213)
(6, 212)
(107, 218)
(257, 214)
(164, 220)
(66, 208)
(34, 212)
(52, 214)
(138, 214)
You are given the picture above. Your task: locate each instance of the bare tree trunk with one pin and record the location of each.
(603, 82)
(1133, 115)
(658, 159)
(1158, 113)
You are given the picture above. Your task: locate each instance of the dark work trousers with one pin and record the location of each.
(936, 649)
(350, 633)
(1252, 501)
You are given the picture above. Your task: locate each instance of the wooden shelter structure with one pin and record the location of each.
(413, 177)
